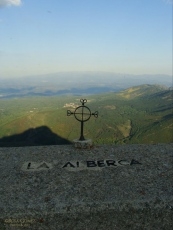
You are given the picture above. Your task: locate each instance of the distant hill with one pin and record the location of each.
(139, 114)
(143, 91)
(76, 83)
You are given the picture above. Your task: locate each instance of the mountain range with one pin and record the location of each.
(76, 83)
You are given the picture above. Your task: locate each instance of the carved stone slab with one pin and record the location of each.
(106, 187)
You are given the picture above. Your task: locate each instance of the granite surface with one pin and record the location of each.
(106, 187)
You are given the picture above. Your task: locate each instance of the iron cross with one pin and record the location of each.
(82, 114)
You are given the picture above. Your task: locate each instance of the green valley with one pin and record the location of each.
(140, 114)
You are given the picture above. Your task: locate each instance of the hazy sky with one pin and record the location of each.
(122, 36)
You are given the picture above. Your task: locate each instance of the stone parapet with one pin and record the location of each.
(106, 187)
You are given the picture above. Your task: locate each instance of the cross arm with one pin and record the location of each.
(69, 113)
(95, 114)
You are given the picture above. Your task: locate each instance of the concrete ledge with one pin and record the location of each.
(107, 187)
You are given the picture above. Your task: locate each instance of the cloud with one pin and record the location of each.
(4, 3)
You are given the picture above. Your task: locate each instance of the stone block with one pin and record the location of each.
(85, 144)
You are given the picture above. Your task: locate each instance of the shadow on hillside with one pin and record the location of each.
(33, 137)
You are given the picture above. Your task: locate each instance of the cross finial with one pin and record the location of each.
(82, 114)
